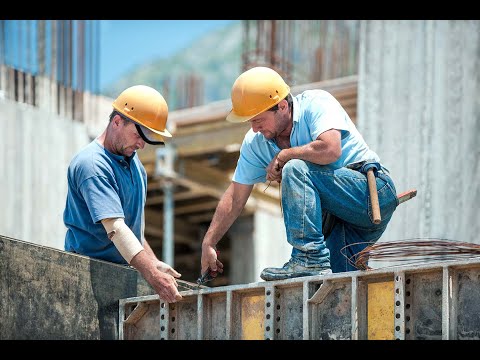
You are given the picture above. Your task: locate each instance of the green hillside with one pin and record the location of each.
(214, 59)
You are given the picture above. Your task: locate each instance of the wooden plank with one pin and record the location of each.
(185, 195)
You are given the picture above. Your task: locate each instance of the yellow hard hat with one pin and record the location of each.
(255, 91)
(146, 107)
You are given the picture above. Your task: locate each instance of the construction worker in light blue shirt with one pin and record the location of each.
(107, 184)
(309, 144)
(317, 111)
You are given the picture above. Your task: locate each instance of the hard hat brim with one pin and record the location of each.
(151, 136)
(164, 132)
(234, 118)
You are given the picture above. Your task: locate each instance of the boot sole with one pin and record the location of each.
(293, 275)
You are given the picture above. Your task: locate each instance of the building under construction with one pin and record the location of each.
(404, 83)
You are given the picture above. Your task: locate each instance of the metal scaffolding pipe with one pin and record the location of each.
(168, 206)
(164, 168)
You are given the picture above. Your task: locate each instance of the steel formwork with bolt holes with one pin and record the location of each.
(431, 301)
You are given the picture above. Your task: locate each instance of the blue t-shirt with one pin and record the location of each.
(102, 185)
(314, 112)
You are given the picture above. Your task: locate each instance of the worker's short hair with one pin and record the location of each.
(289, 101)
(115, 112)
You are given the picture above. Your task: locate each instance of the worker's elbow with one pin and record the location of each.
(334, 154)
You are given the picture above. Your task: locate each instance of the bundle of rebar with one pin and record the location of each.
(413, 251)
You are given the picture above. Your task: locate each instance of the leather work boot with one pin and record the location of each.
(292, 270)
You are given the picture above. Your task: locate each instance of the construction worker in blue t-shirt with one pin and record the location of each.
(107, 187)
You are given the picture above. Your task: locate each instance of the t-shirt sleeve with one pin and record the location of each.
(102, 198)
(250, 168)
(324, 116)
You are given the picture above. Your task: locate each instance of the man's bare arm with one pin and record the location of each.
(162, 266)
(164, 284)
(327, 148)
(228, 209)
(135, 254)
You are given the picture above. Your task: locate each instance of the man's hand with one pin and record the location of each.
(159, 275)
(210, 261)
(274, 169)
(167, 269)
(166, 287)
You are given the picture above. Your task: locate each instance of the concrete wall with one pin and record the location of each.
(257, 242)
(37, 148)
(270, 225)
(49, 294)
(419, 108)
(38, 145)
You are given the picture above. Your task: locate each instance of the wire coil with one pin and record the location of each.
(412, 251)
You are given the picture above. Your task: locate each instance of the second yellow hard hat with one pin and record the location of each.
(255, 91)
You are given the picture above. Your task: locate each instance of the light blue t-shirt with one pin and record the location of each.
(314, 112)
(102, 185)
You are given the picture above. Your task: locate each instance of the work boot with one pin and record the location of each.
(292, 270)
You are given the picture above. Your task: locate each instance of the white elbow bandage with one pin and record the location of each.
(124, 239)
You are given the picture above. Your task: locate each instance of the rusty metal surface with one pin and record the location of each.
(468, 307)
(252, 315)
(52, 294)
(380, 311)
(403, 302)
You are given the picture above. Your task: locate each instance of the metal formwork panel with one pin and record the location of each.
(182, 318)
(423, 305)
(330, 311)
(380, 310)
(421, 302)
(285, 307)
(213, 312)
(247, 317)
(467, 305)
(140, 320)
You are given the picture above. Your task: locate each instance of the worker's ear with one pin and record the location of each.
(116, 120)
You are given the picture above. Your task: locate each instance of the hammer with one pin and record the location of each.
(370, 166)
(372, 188)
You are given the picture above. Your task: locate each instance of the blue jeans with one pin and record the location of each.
(308, 189)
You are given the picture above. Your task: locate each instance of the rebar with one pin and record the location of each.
(417, 250)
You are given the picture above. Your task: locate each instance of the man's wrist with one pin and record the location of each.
(284, 158)
(208, 243)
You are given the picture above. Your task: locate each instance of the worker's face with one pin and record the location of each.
(271, 123)
(127, 139)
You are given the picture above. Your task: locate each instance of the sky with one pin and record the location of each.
(142, 40)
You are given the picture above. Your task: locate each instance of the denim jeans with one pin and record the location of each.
(308, 189)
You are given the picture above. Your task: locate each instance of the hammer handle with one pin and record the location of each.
(372, 188)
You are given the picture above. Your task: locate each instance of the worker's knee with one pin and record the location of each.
(294, 167)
